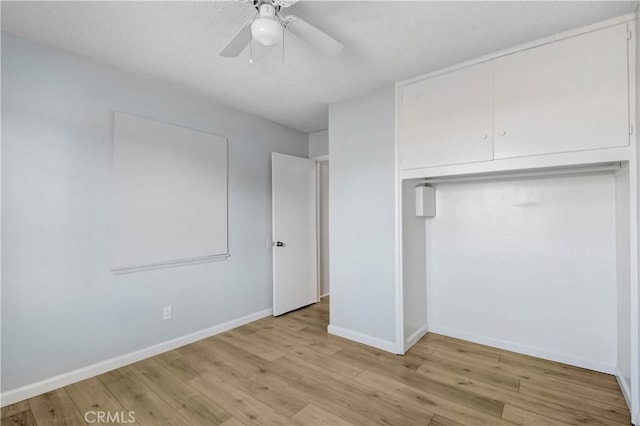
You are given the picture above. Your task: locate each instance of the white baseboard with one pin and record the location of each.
(356, 336)
(413, 339)
(523, 349)
(34, 389)
(624, 386)
(324, 295)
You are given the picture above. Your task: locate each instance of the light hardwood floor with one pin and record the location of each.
(288, 370)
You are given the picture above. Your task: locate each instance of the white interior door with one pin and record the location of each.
(295, 270)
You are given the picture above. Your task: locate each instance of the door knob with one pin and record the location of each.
(484, 136)
(279, 244)
(503, 132)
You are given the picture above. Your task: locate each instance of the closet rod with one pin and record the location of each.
(615, 167)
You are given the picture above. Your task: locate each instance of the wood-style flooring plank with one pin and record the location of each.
(199, 410)
(92, 395)
(597, 408)
(288, 370)
(288, 337)
(328, 388)
(471, 369)
(347, 400)
(55, 409)
(266, 352)
(465, 348)
(613, 397)
(232, 422)
(310, 356)
(16, 408)
(237, 402)
(378, 359)
(567, 372)
(436, 404)
(282, 399)
(314, 415)
(21, 418)
(443, 421)
(268, 372)
(522, 417)
(170, 388)
(178, 366)
(546, 408)
(134, 395)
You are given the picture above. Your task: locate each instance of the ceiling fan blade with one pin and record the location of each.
(238, 42)
(313, 36)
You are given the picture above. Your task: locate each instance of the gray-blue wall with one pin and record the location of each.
(362, 216)
(62, 309)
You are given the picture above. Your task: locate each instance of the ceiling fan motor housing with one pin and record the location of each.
(267, 10)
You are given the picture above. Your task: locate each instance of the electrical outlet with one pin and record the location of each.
(166, 313)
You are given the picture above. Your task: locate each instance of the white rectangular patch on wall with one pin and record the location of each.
(169, 195)
(425, 201)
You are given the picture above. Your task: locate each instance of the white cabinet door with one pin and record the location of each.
(570, 95)
(447, 119)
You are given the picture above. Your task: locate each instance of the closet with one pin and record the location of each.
(565, 96)
(533, 246)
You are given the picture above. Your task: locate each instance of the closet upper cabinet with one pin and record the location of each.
(447, 119)
(569, 95)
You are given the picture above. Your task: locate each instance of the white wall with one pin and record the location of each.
(529, 265)
(623, 278)
(634, 179)
(414, 288)
(362, 203)
(325, 260)
(319, 144)
(62, 309)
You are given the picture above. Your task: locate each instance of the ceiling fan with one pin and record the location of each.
(267, 27)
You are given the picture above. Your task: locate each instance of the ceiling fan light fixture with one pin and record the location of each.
(268, 27)
(267, 31)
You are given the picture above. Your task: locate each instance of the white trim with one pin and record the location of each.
(385, 345)
(65, 379)
(624, 386)
(417, 335)
(523, 349)
(525, 46)
(399, 284)
(320, 158)
(613, 169)
(634, 202)
(634, 293)
(322, 296)
(318, 232)
(517, 164)
(169, 264)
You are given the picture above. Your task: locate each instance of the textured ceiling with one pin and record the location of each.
(385, 41)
